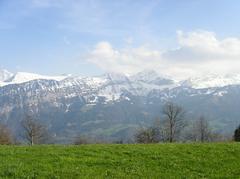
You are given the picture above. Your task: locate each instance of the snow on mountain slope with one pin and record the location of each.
(152, 77)
(113, 85)
(22, 77)
(5, 75)
(212, 81)
(147, 76)
(139, 84)
(115, 77)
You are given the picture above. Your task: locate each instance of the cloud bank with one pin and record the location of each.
(198, 52)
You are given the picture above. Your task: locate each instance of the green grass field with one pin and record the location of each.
(121, 161)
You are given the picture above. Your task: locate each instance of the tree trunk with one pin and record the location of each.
(32, 143)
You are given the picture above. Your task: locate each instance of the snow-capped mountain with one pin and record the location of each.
(5, 75)
(140, 79)
(7, 78)
(114, 102)
(151, 77)
(212, 80)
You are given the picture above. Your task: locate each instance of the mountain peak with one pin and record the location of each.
(147, 73)
(22, 77)
(212, 80)
(115, 76)
(5, 75)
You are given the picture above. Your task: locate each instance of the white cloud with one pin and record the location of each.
(199, 52)
(128, 60)
(203, 45)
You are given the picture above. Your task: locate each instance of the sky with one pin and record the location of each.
(178, 38)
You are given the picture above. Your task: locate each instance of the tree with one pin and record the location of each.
(150, 134)
(173, 120)
(237, 135)
(5, 135)
(34, 131)
(202, 130)
(81, 140)
(147, 135)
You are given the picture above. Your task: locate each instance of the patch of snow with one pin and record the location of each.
(220, 93)
(211, 81)
(22, 77)
(5, 75)
(67, 108)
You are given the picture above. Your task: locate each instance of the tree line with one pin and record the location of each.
(33, 132)
(173, 127)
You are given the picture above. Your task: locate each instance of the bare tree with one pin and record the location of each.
(146, 135)
(81, 140)
(6, 137)
(173, 120)
(202, 130)
(34, 131)
(152, 134)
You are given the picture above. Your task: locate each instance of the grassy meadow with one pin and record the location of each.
(121, 161)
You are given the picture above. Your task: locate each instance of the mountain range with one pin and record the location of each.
(112, 106)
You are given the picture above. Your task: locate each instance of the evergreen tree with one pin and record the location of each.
(237, 135)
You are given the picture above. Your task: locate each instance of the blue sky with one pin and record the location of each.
(89, 37)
